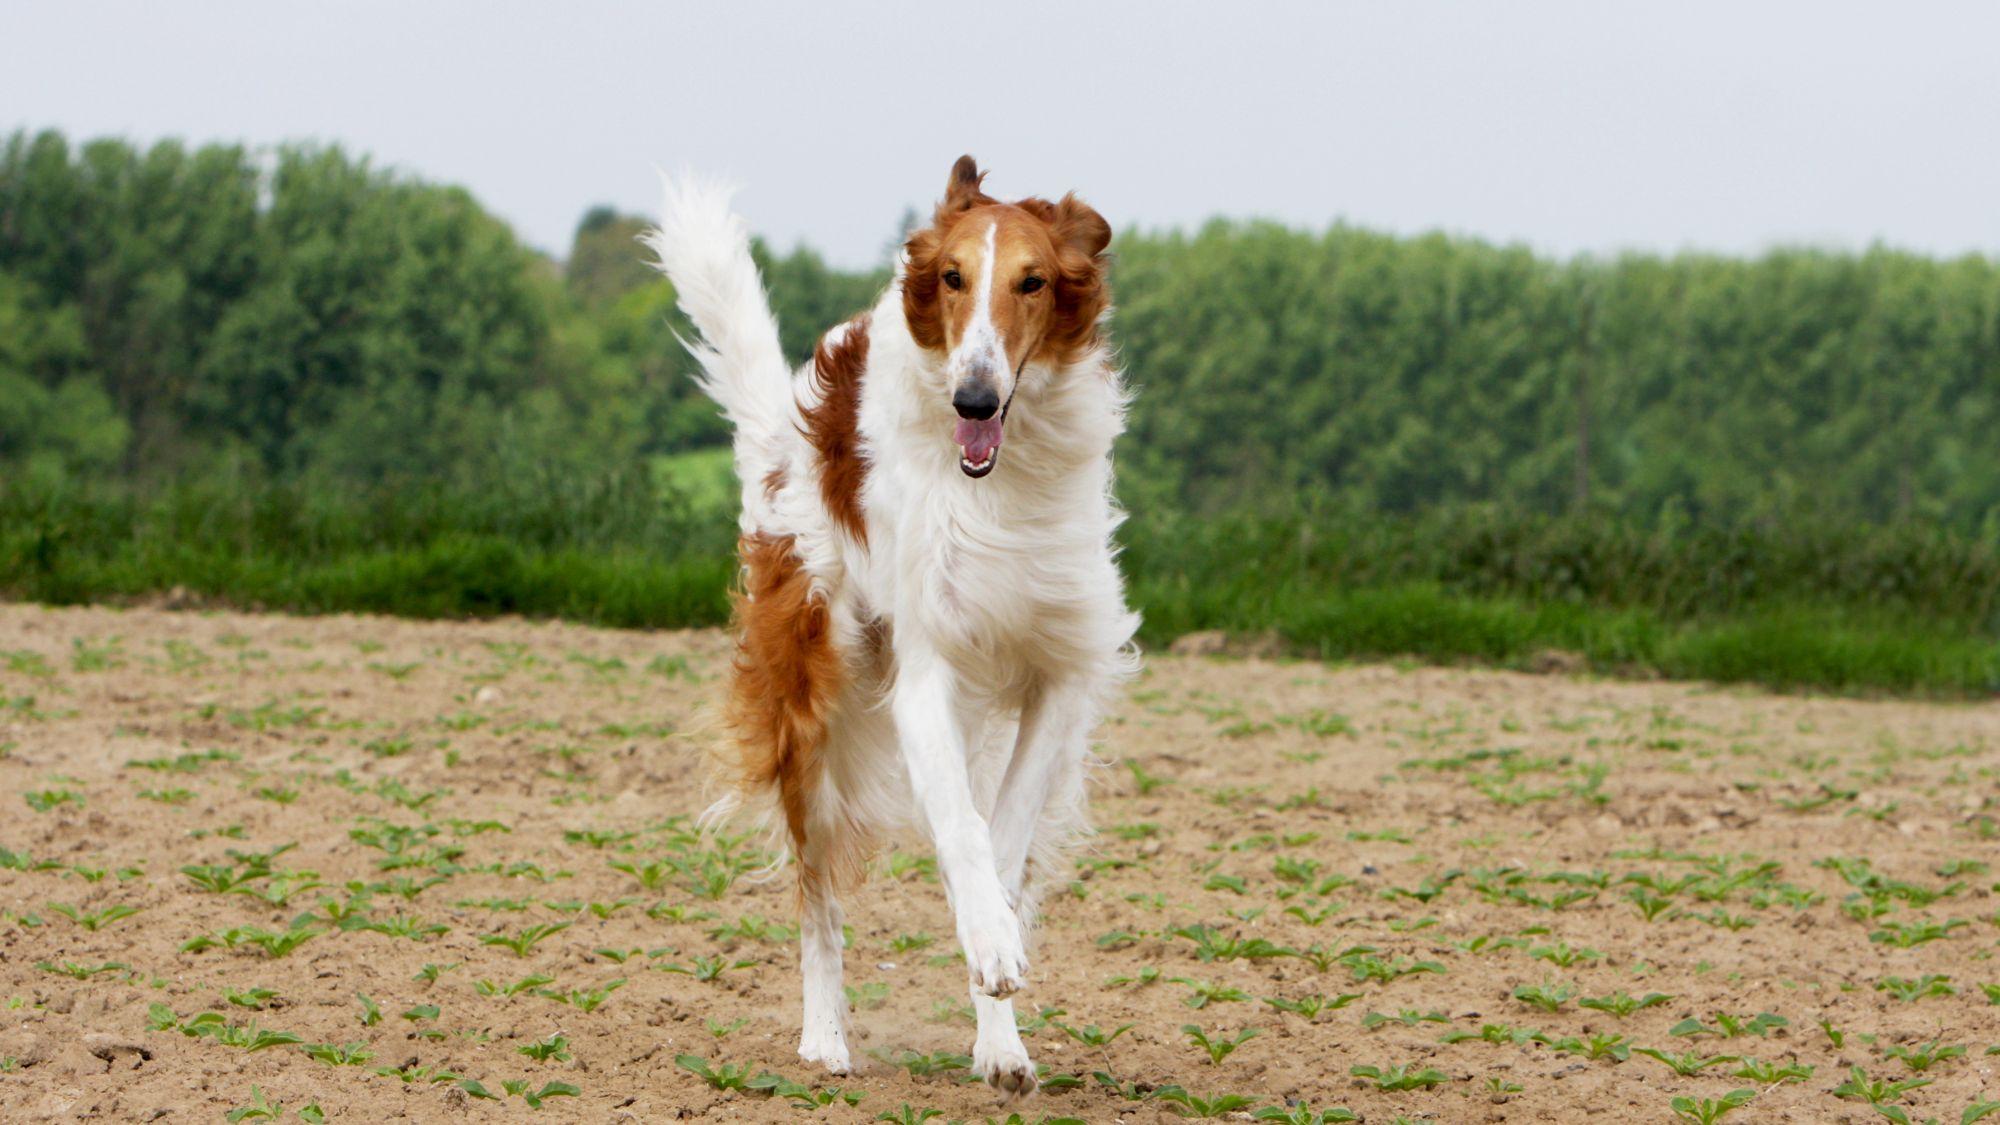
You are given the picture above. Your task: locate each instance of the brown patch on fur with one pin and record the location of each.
(1062, 243)
(774, 483)
(788, 675)
(832, 426)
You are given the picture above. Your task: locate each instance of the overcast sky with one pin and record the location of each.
(1588, 126)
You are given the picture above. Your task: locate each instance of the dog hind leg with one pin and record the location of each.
(823, 1031)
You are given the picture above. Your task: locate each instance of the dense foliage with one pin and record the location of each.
(299, 380)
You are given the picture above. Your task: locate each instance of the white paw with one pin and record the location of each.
(1009, 1072)
(828, 1050)
(995, 957)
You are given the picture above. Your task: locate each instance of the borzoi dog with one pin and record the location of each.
(926, 630)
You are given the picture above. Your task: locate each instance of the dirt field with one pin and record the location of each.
(368, 807)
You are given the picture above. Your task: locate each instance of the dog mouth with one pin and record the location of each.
(978, 443)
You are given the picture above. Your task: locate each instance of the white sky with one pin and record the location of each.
(1588, 126)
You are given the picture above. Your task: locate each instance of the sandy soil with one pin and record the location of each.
(1465, 819)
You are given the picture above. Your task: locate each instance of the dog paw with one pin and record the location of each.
(1010, 1073)
(997, 962)
(827, 1051)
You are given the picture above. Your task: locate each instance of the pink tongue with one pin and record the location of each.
(978, 438)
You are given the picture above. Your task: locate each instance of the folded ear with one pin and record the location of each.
(962, 192)
(1080, 227)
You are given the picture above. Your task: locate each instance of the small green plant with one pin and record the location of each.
(725, 1077)
(542, 1050)
(1729, 1026)
(1218, 1048)
(1874, 1091)
(1622, 1004)
(1143, 782)
(94, 922)
(1310, 1006)
(1708, 1111)
(1193, 1105)
(347, 1054)
(1302, 1113)
(525, 941)
(1091, 1035)
(1408, 1076)
(1547, 997)
(45, 800)
(1911, 991)
(1923, 1056)
(1771, 1074)
(257, 1110)
(583, 999)
(1203, 993)
(1686, 1064)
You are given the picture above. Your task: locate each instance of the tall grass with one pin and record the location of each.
(1800, 603)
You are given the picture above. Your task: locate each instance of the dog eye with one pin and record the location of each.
(952, 279)
(1030, 284)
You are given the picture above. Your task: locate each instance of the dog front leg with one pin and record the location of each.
(934, 754)
(1054, 737)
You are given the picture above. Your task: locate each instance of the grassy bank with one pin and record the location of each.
(1804, 603)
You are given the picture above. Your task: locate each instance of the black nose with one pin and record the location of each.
(976, 400)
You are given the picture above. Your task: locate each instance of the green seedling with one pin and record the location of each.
(1218, 1048)
(518, 1087)
(404, 926)
(542, 1050)
(1547, 997)
(869, 996)
(1874, 1091)
(80, 972)
(1910, 991)
(1091, 1035)
(1904, 935)
(707, 968)
(1687, 1064)
(1622, 1004)
(1142, 781)
(1398, 1078)
(1562, 956)
(1302, 1113)
(97, 921)
(431, 971)
(923, 1066)
(725, 1077)
(1408, 1017)
(908, 1116)
(1496, 1033)
(252, 998)
(583, 1000)
(1771, 1074)
(527, 939)
(652, 875)
(724, 1030)
(257, 1110)
(1731, 1027)
(1203, 993)
(1925, 1055)
(1708, 1111)
(371, 1013)
(527, 984)
(45, 800)
(348, 1054)
(1192, 1105)
(1310, 1006)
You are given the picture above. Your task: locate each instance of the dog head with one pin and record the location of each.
(993, 286)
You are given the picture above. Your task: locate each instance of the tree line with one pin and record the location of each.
(170, 312)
